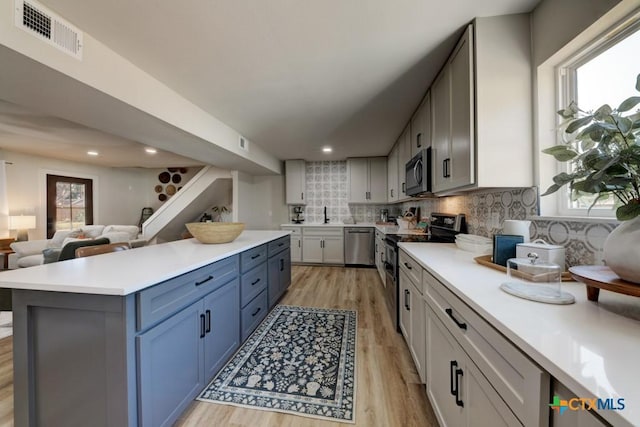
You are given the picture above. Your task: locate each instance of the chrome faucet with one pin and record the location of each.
(326, 219)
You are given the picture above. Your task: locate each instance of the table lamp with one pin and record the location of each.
(22, 223)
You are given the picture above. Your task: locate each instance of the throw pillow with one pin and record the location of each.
(131, 229)
(116, 236)
(92, 231)
(58, 238)
(71, 239)
(50, 255)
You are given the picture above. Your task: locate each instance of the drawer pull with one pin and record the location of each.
(202, 282)
(255, 256)
(408, 266)
(256, 312)
(257, 280)
(208, 321)
(459, 401)
(453, 365)
(281, 244)
(461, 325)
(202, 326)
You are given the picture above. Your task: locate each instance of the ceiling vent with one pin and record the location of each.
(46, 25)
(243, 143)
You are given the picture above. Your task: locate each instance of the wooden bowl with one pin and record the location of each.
(215, 232)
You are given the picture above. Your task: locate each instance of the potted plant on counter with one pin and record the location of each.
(603, 150)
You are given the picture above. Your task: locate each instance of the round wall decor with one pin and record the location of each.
(164, 177)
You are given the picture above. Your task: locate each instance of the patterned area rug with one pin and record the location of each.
(300, 360)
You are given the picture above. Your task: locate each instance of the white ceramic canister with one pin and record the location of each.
(554, 254)
(517, 228)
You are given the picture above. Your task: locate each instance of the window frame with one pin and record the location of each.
(566, 91)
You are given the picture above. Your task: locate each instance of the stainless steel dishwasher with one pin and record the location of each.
(359, 243)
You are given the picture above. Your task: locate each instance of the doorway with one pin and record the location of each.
(69, 203)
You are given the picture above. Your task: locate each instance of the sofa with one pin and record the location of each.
(36, 252)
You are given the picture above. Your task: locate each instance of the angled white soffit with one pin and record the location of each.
(106, 92)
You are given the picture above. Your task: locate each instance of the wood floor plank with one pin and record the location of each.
(388, 392)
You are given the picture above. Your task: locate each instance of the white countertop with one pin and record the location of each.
(126, 272)
(592, 348)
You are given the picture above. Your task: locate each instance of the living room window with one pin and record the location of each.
(603, 72)
(69, 203)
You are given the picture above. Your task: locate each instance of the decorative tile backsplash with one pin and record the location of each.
(326, 185)
(486, 210)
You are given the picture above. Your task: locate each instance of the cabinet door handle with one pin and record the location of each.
(453, 365)
(298, 243)
(408, 266)
(281, 264)
(202, 326)
(256, 312)
(461, 325)
(407, 299)
(302, 196)
(419, 140)
(404, 190)
(208, 321)
(392, 192)
(459, 401)
(255, 256)
(202, 282)
(256, 281)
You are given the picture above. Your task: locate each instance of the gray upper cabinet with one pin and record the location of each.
(393, 173)
(404, 155)
(481, 109)
(295, 182)
(453, 119)
(367, 180)
(421, 127)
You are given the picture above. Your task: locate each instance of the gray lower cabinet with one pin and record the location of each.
(253, 290)
(279, 266)
(207, 334)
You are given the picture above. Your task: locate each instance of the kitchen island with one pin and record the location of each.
(129, 338)
(589, 349)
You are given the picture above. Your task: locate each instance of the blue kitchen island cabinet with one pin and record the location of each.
(128, 338)
(279, 268)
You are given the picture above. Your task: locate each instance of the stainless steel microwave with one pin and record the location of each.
(418, 173)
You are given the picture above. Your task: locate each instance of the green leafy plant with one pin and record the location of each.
(603, 148)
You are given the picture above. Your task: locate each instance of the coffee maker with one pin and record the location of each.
(298, 217)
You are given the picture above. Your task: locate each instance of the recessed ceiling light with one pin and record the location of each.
(151, 150)
(327, 149)
(92, 153)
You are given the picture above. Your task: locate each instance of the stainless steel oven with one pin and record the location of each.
(443, 229)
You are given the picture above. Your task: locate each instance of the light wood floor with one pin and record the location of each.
(388, 392)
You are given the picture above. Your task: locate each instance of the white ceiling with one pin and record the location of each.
(291, 76)
(26, 131)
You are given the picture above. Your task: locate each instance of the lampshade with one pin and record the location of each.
(22, 222)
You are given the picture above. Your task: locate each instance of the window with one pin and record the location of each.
(604, 72)
(69, 203)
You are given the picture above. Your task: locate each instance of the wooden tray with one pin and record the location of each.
(486, 261)
(598, 277)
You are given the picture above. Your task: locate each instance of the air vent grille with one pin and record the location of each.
(42, 23)
(243, 143)
(37, 21)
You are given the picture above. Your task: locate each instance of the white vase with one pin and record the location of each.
(622, 250)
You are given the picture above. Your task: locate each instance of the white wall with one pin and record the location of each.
(119, 193)
(259, 201)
